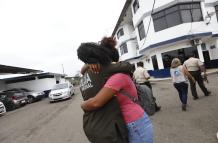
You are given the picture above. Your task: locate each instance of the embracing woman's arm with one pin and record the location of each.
(102, 97)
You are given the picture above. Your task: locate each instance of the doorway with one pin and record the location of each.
(154, 61)
(206, 56)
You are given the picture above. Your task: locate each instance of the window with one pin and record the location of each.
(216, 8)
(123, 49)
(23, 79)
(182, 54)
(203, 47)
(177, 14)
(120, 33)
(141, 30)
(135, 6)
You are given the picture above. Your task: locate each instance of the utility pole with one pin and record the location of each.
(62, 68)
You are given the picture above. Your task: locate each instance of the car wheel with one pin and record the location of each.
(30, 99)
(70, 96)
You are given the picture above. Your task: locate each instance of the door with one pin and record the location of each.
(154, 61)
(206, 56)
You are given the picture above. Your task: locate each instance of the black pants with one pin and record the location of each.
(182, 89)
(148, 84)
(197, 76)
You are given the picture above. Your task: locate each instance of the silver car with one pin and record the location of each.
(33, 95)
(61, 91)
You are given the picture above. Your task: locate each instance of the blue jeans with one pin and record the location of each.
(140, 131)
(182, 88)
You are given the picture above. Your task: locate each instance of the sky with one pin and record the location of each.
(45, 34)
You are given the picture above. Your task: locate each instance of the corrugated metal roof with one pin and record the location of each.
(16, 70)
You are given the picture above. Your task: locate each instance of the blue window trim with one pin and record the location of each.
(174, 40)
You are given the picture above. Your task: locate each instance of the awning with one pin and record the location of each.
(16, 70)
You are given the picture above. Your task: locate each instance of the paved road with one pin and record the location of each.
(61, 122)
(42, 122)
(197, 125)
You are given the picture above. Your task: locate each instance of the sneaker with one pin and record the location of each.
(183, 107)
(157, 108)
(217, 135)
(209, 93)
(195, 97)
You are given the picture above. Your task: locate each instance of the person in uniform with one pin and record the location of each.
(141, 76)
(195, 68)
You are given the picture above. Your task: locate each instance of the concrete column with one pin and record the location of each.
(200, 53)
(160, 61)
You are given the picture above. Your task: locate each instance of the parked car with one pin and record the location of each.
(61, 91)
(47, 92)
(2, 108)
(13, 99)
(33, 95)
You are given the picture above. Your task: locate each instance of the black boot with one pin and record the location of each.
(183, 107)
(157, 108)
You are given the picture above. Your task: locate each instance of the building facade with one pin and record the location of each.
(36, 82)
(157, 31)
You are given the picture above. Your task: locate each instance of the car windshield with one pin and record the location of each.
(60, 86)
(26, 90)
(2, 95)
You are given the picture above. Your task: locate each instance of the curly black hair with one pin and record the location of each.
(110, 43)
(92, 53)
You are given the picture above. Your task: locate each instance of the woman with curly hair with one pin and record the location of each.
(137, 122)
(107, 120)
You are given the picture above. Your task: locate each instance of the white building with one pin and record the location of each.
(37, 82)
(157, 31)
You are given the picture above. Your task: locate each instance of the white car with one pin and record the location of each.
(2, 108)
(61, 91)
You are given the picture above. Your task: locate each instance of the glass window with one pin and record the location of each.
(184, 6)
(172, 9)
(158, 15)
(141, 30)
(60, 86)
(173, 19)
(197, 15)
(120, 33)
(196, 5)
(160, 24)
(203, 47)
(182, 54)
(123, 49)
(216, 7)
(178, 14)
(186, 16)
(135, 6)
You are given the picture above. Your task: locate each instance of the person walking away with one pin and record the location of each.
(179, 76)
(195, 67)
(141, 76)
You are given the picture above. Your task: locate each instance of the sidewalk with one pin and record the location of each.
(209, 72)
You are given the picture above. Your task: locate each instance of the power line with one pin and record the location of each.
(149, 23)
(190, 30)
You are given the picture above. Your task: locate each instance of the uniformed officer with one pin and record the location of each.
(195, 67)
